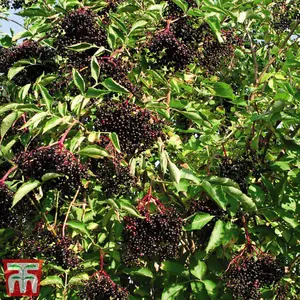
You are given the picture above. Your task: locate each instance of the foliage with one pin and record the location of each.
(160, 138)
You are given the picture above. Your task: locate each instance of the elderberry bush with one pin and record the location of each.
(44, 160)
(16, 4)
(44, 61)
(101, 287)
(115, 179)
(173, 11)
(79, 26)
(137, 128)
(154, 238)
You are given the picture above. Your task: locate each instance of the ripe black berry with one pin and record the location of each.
(136, 127)
(101, 287)
(38, 162)
(43, 56)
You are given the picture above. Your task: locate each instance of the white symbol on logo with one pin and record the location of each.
(22, 276)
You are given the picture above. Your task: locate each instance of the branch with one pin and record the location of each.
(254, 57)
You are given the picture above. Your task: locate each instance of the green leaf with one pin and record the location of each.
(213, 192)
(211, 288)
(224, 90)
(247, 202)
(7, 123)
(95, 68)
(50, 176)
(24, 189)
(81, 47)
(46, 96)
(131, 210)
(173, 267)
(216, 237)
(78, 226)
(174, 171)
(52, 280)
(182, 4)
(77, 279)
(34, 12)
(115, 140)
(55, 121)
(215, 26)
(199, 290)
(171, 291)
(37, 117)
(198, 268)
(13, 72)
(138, 24)
(113, 86)
(198, 221)
(94, 151)
(95, 93)
(78, 80)
(141, 272)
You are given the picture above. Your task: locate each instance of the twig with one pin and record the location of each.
(68, 212)
(253, 57)
(7, 174)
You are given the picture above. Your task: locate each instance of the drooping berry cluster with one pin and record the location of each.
(79, 26)
(155, 237)
(115, 179)
(116, 69)
(101, 287)
(42, 243)
(213, 54)
(166, 50)
(38, 162)
(284, 13)
(43, 56)
(247, 274)
(137, 128)
(239, 169)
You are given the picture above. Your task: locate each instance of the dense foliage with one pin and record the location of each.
(151, 149)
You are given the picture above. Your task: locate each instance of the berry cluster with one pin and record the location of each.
(246, 274)
(43, 160)
(79, 26)
(173, 11)
(168, 51)
(155, 237)
(44, 61)
(239, 169)
(45, 244)
(115, 179)
(284, 13)
(16, 4)
(111, 6)
(213, 54)
(136, 128)
(101, 287)
(117, 70)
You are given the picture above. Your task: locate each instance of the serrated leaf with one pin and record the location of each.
(199, 290)
(81, 47)
(77, 279)
(78, 226)
(171, 291)
(94, 151)
(216, 237)
(174, 171)
(52, 280)
(50, 176)
(95, 68)
(215, 26)
(138, 24)
(173, 267)
(131, 210)
(115, 140)
(37, 117)
(46, 96)
(224, 90)
(24, 190)
(78, 80)
(13, 72)
(55, 121)
(246, 201)
(113, 86)
(198, 268)
(198, 221)
(141, 272)
(7, 123)
(182, 4)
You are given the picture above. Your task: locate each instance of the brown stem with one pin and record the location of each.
(68, 212)
(246, 231)
(101, 259)
(253, 57)
(7, 174)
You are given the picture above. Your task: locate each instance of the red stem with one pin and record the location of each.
(101, 260)
(61, 141)
(224, 150)
(7, 174)
(246, 231)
